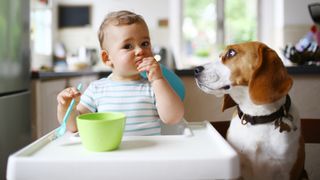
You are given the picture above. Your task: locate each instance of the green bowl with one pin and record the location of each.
(101, 131)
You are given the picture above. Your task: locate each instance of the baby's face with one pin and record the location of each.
(127, 45)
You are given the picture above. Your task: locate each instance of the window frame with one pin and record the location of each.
(176, 34)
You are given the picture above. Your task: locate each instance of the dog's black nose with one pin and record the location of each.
(198, 70)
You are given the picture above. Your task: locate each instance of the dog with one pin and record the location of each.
(265, 130)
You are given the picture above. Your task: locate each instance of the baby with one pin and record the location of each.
(126, 48)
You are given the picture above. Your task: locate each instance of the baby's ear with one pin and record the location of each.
(105, 58)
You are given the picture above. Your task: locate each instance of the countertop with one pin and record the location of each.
(293, 70)
(43, 75)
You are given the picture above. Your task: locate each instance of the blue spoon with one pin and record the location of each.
(63, 127)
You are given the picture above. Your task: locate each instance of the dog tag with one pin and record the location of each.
(282, 126)
(290, 117)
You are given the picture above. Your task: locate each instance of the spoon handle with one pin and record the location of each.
(63, 127)
(67, 115)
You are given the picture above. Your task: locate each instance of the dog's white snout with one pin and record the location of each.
(210, 73)
(212, 77)
(205, 76)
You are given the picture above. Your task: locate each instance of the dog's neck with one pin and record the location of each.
(240, 94)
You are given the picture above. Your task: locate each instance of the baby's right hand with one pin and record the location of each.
(64, 97)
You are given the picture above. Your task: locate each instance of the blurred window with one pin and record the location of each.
(209, 25)
(41, 27)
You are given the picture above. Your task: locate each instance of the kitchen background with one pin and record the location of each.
(65, 51)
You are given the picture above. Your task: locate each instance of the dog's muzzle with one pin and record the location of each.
(198, 70)
(213, 78)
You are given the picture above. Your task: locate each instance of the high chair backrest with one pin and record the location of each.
(174, 80)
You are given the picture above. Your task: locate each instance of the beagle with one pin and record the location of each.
(265, 130)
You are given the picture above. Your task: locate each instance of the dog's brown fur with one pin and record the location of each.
(264, 83)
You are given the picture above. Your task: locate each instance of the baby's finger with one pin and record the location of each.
(67, 94)
(77, 99)
(146, 64)
(61, 99)
(73, 92)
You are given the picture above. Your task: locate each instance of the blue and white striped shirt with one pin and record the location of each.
(135, 98)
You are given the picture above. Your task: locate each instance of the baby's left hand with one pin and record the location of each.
(152, 67)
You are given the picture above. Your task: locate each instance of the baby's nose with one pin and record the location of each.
(138, 50)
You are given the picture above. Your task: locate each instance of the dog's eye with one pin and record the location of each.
(231, 53)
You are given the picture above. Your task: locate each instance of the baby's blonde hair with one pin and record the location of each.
(118, 18)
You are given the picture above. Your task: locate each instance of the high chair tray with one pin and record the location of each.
(199, 153)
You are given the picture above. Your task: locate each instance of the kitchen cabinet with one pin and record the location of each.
(44, 101)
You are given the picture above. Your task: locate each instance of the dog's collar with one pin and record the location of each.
(282, 112)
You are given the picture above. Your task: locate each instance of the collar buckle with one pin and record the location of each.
(243, 121)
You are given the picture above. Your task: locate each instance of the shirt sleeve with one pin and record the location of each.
(88, 100)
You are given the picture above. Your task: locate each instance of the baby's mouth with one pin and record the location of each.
(138, 62)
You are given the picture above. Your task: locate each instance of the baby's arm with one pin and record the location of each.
(169, 104)
(64, 98)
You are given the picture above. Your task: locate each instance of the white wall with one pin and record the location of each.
(284, 21)
(297, 19)
(152, 11)
(296, 12)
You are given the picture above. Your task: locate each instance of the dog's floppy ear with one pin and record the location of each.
(270, 80)
(228, 102)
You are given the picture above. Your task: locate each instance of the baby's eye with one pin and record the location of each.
(127, 46)
(145, 44)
